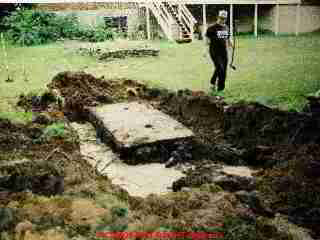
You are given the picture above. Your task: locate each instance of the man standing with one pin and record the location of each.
(218, 37)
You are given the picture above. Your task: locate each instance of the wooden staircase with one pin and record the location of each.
(184, 20)
(175, 20)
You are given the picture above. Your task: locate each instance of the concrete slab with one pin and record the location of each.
(133, 124)
(98, 155)
(142, 180)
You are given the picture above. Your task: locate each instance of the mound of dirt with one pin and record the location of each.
(82, 86)
(292, 186)
(250, 124)
(80, 89)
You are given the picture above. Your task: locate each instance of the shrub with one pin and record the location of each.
(30, 27)
(33, 27)
(97, 34)
(68, 26)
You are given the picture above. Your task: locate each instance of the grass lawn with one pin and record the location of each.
(273, 70)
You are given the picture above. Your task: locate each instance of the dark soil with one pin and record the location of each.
(292, 186)
(249, 124)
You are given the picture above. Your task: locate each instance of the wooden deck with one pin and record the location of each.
(61, 2)
(208, 2)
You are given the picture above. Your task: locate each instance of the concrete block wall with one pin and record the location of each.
(95, 17)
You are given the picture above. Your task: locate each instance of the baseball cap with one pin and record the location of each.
(223, 14)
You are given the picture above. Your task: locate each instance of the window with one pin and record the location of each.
(119, 24)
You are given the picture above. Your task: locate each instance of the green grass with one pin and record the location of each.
(273, 70)
(16, 116)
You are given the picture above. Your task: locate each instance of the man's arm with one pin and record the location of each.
(229, 41)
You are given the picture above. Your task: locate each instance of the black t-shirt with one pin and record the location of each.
(218, 35)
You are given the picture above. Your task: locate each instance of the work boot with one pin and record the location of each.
(220, 87)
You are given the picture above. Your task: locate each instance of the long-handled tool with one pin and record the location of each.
(233, 49)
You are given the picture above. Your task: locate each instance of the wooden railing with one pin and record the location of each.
(188, 14)
(166, 20)
(163, 16)
(186, 18)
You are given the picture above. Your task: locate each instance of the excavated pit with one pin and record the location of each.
(237, 134)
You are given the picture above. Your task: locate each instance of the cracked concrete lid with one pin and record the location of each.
(135, 123)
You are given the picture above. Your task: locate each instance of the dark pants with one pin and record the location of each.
(220, 60)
